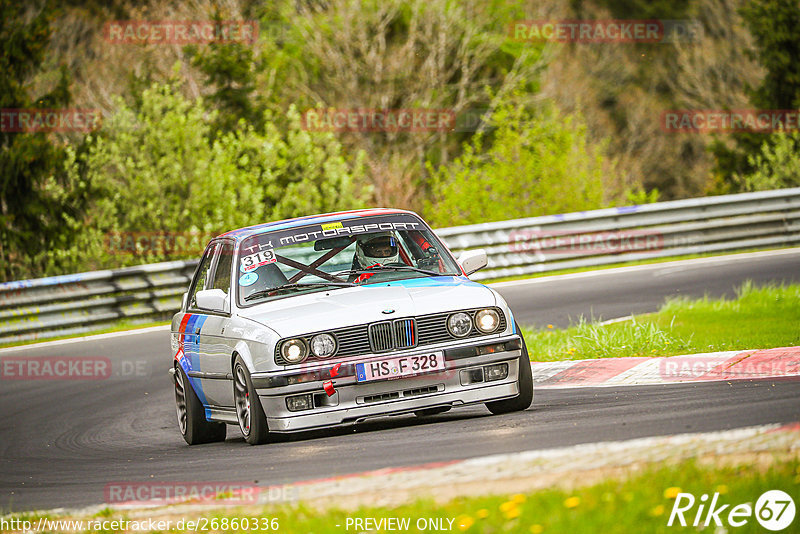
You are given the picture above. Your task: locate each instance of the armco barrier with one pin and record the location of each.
(77, 303)
(61, 305)
(700, 225)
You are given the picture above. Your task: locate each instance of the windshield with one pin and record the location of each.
(321, 257)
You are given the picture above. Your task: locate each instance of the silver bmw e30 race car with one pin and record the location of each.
(333, 319)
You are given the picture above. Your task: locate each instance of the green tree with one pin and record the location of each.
(535, 164)
(777, 166)
(230, 70)
(159, 170)
(399, 54)
(775, 25)
(234, 71)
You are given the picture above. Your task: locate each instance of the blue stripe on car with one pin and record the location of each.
(191, 352)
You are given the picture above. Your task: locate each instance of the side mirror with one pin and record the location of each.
(473, 260)
(212, 299)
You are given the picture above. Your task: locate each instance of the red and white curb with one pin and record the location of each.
(712, 366)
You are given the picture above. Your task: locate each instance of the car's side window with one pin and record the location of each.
(202, 275)
(222, 274)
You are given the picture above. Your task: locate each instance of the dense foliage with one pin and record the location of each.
(30, 215)
(534, 164)
(157, 171)
(775, 26)
(204, 137)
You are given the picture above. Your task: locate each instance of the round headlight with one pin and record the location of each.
(487, 321)
(323, 345)
(294, 350)
(459, 324)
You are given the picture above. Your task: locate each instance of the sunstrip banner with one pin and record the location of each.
(314, 230)
(313, 219)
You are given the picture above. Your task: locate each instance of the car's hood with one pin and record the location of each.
(326, 310)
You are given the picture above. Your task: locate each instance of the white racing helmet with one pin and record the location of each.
(375, 248)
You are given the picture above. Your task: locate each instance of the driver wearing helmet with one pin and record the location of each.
(374, 250)
(380, 248)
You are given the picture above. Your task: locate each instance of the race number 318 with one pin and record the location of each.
(775, 510)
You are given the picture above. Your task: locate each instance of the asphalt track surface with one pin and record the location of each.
(62, 442)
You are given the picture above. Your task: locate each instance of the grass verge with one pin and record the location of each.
(639, 504)
(759, 317)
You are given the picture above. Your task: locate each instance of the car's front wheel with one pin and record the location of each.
(192, 422)
(249, 412)
(525, 397)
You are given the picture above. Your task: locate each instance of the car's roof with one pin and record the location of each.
(321, 218)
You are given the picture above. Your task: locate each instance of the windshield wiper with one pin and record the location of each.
(391, 268)
(271, 291)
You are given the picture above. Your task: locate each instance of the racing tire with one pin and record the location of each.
(249, 414)
(427, 412)
(525, 398)
(192, 422)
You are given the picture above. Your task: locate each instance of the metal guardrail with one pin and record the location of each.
(71, 304)
(84, 302)
(765, 219)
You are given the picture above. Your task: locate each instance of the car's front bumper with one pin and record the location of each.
(353, 402)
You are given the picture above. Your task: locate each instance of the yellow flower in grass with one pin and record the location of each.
(722, 489)
(464, 522)
(483, 513)
(671, 492)
(509, 509)
(550, 326)
(572, 502)
(657, 511)
(536, 529)
(519, 498)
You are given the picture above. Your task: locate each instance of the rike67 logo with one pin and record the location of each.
(774, 510)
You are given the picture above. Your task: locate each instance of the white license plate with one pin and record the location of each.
(400, 367)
